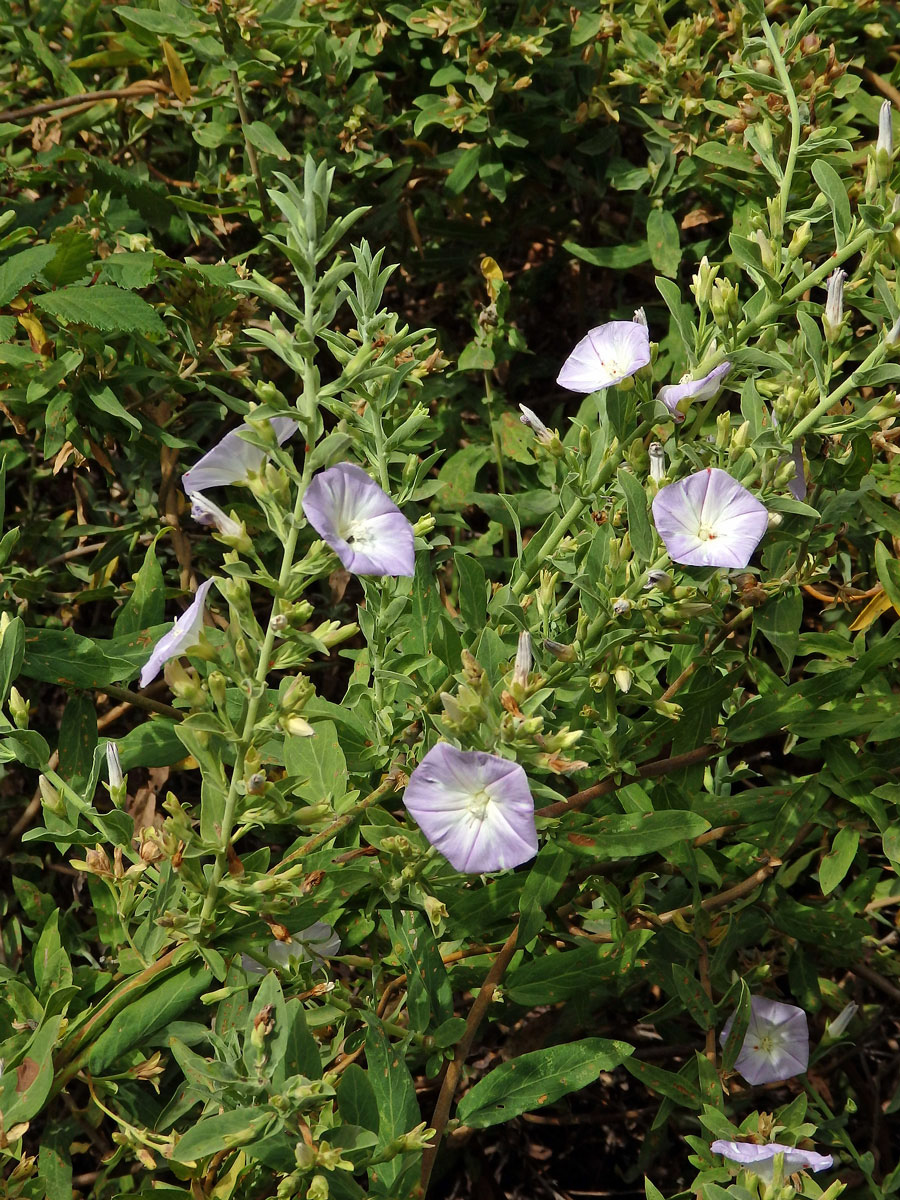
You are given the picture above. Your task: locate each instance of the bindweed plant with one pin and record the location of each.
(618, 781)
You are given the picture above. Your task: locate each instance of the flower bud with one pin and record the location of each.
(621, 607)
(833, 317)
(702, 282)
(884, 147)
(724, 303)
(117, 782)
(296, 726)
(216, 683)
(435, 910)
(661, 580)
(19, 708)
(892, 337)
(424, 525)
(766, 253)
(559, 651)
(836, 1027)
(723, 430)
(657, 462)
(50, 797)
(800, 240)
(624, 678)
(523, 662)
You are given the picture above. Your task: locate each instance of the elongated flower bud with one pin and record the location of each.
(884, 147)
(523, 660)
(834, 305)
(657, 462)
(117, 785)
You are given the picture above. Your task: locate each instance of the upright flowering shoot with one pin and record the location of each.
(776, 1045)
(606, 356)
(183, 635)
(709, 520)
(476, 808)
(233, 460)
(360, 522)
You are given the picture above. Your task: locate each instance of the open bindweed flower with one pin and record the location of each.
(606, 356)
(761, 1159)
(184, 634)
(776, 1046)
(233, 460)
(678, 396)
(476, 808)
(360, 522)
(709, 520)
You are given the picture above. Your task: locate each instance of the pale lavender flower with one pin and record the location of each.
(675, 396)
(892, 337)
(232, 460)
(114, 766)
(184, 634)
(776, 1045)
(606, 356)
(206, 513)
(761, 1159)
(709, 520)
(360, 522)
(476, 808)
(315, 944)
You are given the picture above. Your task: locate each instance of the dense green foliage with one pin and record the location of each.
(393, 224)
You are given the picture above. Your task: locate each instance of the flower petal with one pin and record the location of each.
(184, 634)
(476, 808)
(232, 459)
(695, 389)
(605, 356)
(709, 520)
(360, 522)
(761, 1159)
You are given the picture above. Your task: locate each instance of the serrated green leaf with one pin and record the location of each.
(104, 307)
(17, 272)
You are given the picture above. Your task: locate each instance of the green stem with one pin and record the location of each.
(842, 1135)
(228, 46)
(498, 452)
(384, 789)
(577, 507)
(785, 78)
(839, 393)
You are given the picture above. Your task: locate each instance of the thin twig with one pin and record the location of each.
(649, 770)
(244, 115)
(326, 834)
(744, 888)
(879, 981)
(716, 640)
(454, 1070)
(145, 87)
(138, 700)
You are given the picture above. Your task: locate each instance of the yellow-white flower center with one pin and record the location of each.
(478, 804)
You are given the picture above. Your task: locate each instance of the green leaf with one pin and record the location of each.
(74, 254)
(319, 760)
(665, 1083)
(146, 605)
(52, 969)
(63, 657)
(428, 985)
(779, 621)
(562, 975)
(888, 574)
(261, 136)
(12, 651)
(21, 269)
(546, 877)
(29, 1085)
(260, 1058)
(835, 865)
(671, 293)
(739, 1027)
(538, 1079)
(639, 527)
(458, 475)
(226, 1130)
(617, 258)
(106, 401)
(664, 241)
(395, 1096)
(77, 741)
(472, 591)
(356, 1099)
(104, 307)
(835, 192)
(55, 1160)
(634, 834)
(130, 271)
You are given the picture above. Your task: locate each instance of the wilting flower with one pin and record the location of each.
(834, 304)
(607, 355)
(184, 634)
(316, 944)
(233, 460)
(676, 396)
(522, 665)
(709, 520)
(761, 1159)
(657, 461)
(640, 317)
(776, 1045)
(797, 485)
(476, 808)
(360, 522)
(205, 512)
(534, 422)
